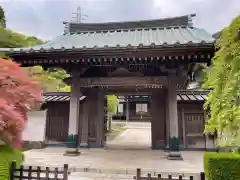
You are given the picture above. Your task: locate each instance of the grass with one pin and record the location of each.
(7, 155)
(116, 130)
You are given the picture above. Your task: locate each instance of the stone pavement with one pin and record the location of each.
(136, 136)
(120, 160)
(116, 161)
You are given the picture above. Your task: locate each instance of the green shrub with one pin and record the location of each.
(7, 155)
(222, 166)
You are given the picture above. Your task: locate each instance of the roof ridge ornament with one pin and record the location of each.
(190, 19)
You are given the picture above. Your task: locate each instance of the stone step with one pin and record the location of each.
(119, 176)
(89, 173)
(99, 176)
(125, 174)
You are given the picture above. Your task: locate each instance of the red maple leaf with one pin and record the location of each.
(18, 94)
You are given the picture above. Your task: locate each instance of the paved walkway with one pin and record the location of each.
(116, 162)
(137, 136)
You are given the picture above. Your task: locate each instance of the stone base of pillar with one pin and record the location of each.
(72, 146)
(174, 155)
(72, 141)
(174, 143)
(174, 147)
(72, 152)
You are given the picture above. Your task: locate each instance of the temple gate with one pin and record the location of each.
(154, 57)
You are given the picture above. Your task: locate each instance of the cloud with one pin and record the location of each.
(212, 15)
(43, 18)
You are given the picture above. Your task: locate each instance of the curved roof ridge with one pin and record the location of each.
(129, 29)
(165, 22)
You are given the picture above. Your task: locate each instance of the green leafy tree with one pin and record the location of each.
(224, 81)
(200, 70)
(112, 104)
(51, 80)
(65, 89)
(2, 18)
(33, 41)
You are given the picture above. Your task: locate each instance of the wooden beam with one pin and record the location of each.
(117, 90)
(120, 93)
(120, 81)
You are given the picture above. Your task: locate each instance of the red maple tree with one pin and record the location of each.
(18, 94)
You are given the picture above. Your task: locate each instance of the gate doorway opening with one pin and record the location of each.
(130, 127)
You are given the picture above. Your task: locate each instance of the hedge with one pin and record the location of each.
(7, 155)
(222, 166)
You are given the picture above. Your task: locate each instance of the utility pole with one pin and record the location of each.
(78, 16)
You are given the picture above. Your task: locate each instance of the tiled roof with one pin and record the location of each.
(119, 39)
(50, 97)
(140, 24)
(192, 95)
(181, 96)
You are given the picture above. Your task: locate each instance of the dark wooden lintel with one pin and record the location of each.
(127, 92)
(121, 81)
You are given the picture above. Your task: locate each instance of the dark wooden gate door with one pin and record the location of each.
(105, 124)
(194, 124)
(57, 121)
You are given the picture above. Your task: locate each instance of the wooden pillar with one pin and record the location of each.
(73, 114)
(96, 133)
(83, 127)
(158, 120)
(100, 119)
(174, 140)
(105, 128)
(127, 111)
(92, 113)
(167, 122)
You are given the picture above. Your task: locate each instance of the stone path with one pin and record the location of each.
(119, 160)
(137, 136)
(116, 162)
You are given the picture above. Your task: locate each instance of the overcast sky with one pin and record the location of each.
(43, 18)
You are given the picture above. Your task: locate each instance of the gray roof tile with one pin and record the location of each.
(151, 37)
(181, 96)
(59, 97)
(192, 95)
(166, 22)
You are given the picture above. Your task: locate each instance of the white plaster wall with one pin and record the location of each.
(35, 128)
